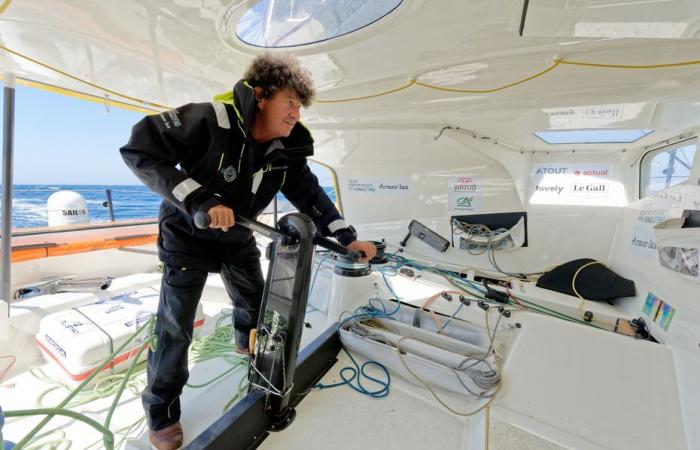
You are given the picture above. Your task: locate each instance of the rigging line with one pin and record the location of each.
(80, 80)
(391, 91)
(412, 82)
(488, 91)
(4, 5)
(629, 66)
(554, 65)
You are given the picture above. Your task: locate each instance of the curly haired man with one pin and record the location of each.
(225, 159)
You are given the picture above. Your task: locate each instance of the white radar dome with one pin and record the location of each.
(67, 208)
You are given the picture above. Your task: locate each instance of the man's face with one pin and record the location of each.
(279, 114)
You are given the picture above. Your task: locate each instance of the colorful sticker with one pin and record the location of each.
(658, 311)
(464, 194)
(666, 316)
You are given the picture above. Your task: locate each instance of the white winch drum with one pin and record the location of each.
(79, 339)
(67, 208)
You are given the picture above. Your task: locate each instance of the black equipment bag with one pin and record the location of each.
(593, 282)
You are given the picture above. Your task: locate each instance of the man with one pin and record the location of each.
(233, 159)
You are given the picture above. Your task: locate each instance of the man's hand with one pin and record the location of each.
(364, 247)
(221, 216)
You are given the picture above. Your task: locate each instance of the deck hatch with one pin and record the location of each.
(291, 23)
(596, 136)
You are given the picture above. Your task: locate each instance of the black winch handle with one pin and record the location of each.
(333, 246)
(201, 220)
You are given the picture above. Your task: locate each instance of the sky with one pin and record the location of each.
(62, 140)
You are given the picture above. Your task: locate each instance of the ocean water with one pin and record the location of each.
(128, 202)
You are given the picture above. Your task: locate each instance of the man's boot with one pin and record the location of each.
(169, 438)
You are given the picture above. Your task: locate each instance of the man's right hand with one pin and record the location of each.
(221, 216)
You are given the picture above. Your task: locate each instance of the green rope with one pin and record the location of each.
(242, 387)
(122, 385)
(57, 443)
(51, 412)
(216, 345)
(59, 408)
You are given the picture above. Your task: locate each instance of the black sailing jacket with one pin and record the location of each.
(220, 163)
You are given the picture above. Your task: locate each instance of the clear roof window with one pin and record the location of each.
(591, 136)
(291, 23)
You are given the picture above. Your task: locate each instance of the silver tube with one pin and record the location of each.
(109, 204)
(274, 212)
(7, 152)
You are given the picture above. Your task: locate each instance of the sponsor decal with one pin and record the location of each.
(380, 185)
(591, 116)
(464, 193)
(660, 312)
(571, 184)
(652, 212)
(592, 172)
(589, 190)
(465, 202)
(551, 170)
(555, 189)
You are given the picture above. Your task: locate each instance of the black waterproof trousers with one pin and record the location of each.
(181, 289)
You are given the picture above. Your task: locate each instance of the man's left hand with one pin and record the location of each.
(366, 249)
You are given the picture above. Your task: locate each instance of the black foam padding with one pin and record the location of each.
(595, 282)
(692, 218)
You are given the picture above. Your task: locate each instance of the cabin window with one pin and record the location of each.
(666, 167)
(291, 23)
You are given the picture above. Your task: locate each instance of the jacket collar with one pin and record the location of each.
(299, 143)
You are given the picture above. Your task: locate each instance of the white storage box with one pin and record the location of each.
(81, 338)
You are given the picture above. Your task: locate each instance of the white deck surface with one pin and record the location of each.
(564, 385)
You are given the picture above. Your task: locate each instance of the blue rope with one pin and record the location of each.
(352, 376)
(358, 372)
(349, 374)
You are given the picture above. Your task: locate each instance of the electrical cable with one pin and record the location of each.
(477, 290)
